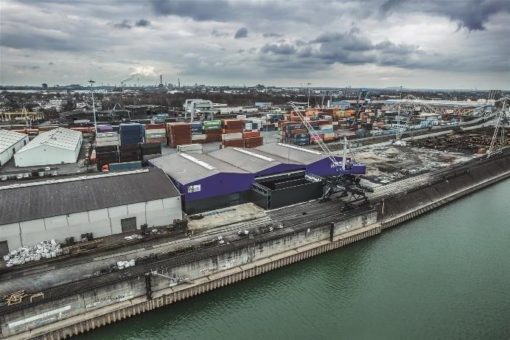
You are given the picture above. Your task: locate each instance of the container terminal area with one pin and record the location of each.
(190, 223)
(98, 225)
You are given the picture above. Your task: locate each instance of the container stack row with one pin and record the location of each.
(155, 133)
(178, 134)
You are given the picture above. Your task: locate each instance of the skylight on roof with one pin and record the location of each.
(197, 161)
(300, 149)
(253, 154)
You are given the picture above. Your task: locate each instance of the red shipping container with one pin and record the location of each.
(251, 134)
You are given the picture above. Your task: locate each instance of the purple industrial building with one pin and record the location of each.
(204, 181)
(232, 176)
(315, 162)
(256, 162)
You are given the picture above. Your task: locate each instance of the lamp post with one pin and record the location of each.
(93, 105)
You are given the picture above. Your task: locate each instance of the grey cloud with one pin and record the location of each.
(197, 10)
(124, 24)
(272, 35)
(218, 34)
(241, 33)
(471, 14)
(28, 67)
(285, 49)
(38, 41)
(143, 23)
(350, 48)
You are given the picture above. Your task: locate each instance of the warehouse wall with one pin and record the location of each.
(217, 185)
(46, 155)
(101, 222)
(7, 154)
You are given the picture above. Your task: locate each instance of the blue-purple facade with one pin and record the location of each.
(216, 185)
(324, 167)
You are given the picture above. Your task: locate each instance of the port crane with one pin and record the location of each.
(501, 121)
(346, 180)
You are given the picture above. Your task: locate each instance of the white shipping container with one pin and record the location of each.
(232, 136)
(190, 148)
(199, 137)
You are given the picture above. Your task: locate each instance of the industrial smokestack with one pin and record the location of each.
(160, 79)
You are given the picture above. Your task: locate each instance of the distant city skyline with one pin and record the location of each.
(372, 43)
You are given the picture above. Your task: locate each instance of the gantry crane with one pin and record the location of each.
(346, 180)
(501, 120)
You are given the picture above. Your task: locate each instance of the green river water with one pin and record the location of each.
(445, 275)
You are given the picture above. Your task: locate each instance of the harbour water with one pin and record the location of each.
(445, 275)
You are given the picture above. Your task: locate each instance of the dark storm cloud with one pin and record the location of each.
(241, 33)
(143, 23)
(124, 24)
(471, 14)
(349, 48)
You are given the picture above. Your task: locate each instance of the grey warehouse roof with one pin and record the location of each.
(251, 160)
(9, 138)
(187, 168)
(292, 153)
(60, 138)
(40, 200)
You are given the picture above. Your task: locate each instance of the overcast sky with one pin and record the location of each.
(372, 43)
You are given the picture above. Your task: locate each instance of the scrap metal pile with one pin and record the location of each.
(44, 249)
(457, 142)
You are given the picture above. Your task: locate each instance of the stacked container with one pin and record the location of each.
(155, 133)
(178, 134)
(107, 139)
(130, 153)
(131, 133)
(326, 129)
(107, 155)
(212, 130)
(232, 139)
(252, 139)
(233, 125)
(150, 151)
(104, 128)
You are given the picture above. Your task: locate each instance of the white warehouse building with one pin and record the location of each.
(10, 143)
(58, 146)
(103, 205)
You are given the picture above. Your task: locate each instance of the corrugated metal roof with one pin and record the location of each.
(39, 200)
(251, 160)
(9, 138)
(59, 138)
(187, 168)
(292, 153)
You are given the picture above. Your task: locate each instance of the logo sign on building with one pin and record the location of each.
(194, 188)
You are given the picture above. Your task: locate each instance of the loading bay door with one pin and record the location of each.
(4, 248)
(128, 224)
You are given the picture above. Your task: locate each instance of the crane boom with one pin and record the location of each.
(316, 136)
